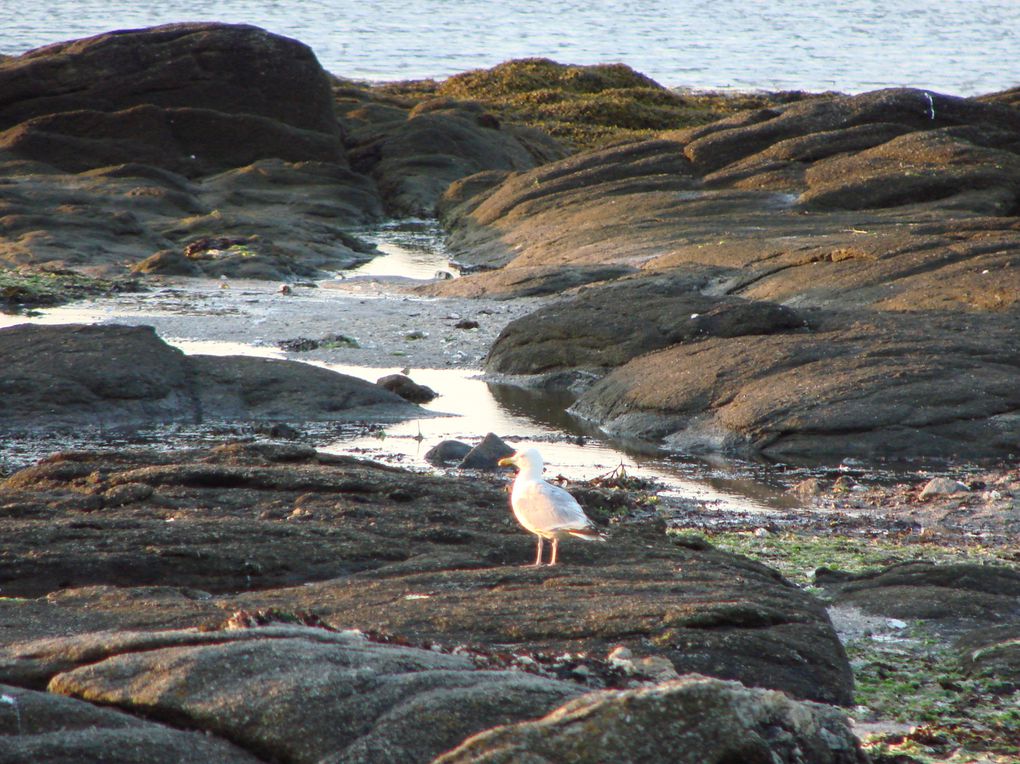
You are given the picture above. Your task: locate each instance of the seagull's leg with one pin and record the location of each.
(538, 555)
(555, 546)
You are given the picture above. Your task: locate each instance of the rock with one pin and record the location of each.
(942, 486)
(407, 388)
(993, 654)
(308, 695)
(716, 722)
(526, 281)
(139, 144)
(69, 376)
(605, 327)
(976, 593)
(415, 154)
(885, 229)
(41, 726)
(794, 395)
(446, 452)
(486, 455)
(192, 98)
(428, 559)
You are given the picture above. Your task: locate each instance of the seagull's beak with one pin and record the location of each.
(506, 461)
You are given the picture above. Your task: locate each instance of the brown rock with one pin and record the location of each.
(100, 376)
(689, 721)
(217, 522)
(407, 388)
(41, 726)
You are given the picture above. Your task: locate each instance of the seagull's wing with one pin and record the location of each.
(548, 507)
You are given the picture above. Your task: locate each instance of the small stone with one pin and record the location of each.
(407, 388)
(942, 486)
(486, 455)
(447, 451)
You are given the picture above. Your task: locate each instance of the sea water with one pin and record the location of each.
(960, 47)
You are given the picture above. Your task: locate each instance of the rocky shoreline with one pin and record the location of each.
(808, 278)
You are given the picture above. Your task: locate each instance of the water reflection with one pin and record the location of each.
(468, 407)
(411, 248)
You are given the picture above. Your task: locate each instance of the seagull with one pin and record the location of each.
(546, 510)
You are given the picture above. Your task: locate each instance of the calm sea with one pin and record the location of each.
(963, 47)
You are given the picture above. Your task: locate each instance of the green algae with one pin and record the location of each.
(584, 106)
(913, 676)
(918, 680)
(797, 554)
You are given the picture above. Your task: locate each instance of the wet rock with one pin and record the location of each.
(112, 376)
(717, 722)
(433, 560)
(796, 394)
(529, 281)
(407, 388)
(942, 486)
(308, 695)
(42, 726)
(486, 455)
(306, 344)
(447, 452)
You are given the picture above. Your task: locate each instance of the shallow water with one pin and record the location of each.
(960, 47)
(467, 408)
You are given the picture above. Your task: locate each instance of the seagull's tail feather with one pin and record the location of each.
(588, 534)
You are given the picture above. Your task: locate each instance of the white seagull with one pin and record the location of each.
(546, 510)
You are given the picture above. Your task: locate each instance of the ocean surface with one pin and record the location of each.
(960, 47)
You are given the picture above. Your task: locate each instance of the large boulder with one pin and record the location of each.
(886, 221)
(866, 387)
(601, 329)
(693, 720)
(309, 695)
(189, 97)
(72, 376)
(201, 149)
(138, 540)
